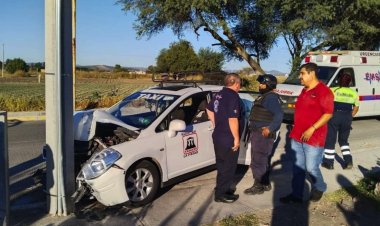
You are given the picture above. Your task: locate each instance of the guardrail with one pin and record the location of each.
(4, 165)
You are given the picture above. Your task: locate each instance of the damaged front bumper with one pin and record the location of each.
(109, 188)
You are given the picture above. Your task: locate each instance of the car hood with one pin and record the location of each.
(85, 123)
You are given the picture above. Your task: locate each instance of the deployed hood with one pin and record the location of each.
(288, 89)
(85, 123)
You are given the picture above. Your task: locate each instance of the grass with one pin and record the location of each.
(246, 219)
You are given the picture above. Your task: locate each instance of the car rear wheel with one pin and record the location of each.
(141, 183)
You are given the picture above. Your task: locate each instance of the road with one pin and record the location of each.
(190, 202)
(27, 138)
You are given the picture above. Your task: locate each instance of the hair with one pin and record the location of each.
(344, 80)
(309, 67)
(231, 79)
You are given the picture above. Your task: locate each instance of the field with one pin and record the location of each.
(26, 94)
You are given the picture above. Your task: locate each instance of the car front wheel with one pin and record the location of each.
(142, 182)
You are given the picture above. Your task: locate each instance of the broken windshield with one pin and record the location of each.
(140, 109)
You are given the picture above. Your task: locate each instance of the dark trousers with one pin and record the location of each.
(261, 149)
(339, 127)
(226, 163)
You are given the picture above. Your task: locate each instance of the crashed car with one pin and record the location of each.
(146, 141)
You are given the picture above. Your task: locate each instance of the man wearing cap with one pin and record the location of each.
(346, 105)
(265, 119)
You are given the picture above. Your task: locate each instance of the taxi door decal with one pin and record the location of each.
(190, 144)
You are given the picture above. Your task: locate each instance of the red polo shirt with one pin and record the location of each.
(310, 106)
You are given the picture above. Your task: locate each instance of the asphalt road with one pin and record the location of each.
(25, 139)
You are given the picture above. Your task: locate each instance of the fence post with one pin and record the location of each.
(4, 164)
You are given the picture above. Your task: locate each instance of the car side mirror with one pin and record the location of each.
(175, 126)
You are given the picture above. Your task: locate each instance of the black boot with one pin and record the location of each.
(256, 189)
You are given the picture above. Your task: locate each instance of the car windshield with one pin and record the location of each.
(324, 75)
(140, 109)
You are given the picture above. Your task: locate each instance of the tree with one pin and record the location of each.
(210, 60)
(117, 68)
(327, 25)
(15, 65)
(216, 17)
(179, 57)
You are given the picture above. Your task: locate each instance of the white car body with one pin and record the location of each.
(175, 151)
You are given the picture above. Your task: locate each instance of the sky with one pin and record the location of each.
(105, 35)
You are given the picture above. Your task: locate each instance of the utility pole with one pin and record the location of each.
(2, 65)
(74, 46)
(59, 149)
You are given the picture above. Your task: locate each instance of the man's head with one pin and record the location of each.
(232, 81)
(308, 74)
(267, 82)
(344, 80)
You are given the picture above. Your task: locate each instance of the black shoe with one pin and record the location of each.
(290, 199)
(348, 165)
(316, 195)
(231, 192)
(254, 190)
(327, 166)
(267, 187)
(227, 198)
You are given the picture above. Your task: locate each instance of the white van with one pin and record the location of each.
(363, 66)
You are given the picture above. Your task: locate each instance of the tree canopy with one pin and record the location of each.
(16, 64)
(250, 28)
(215, 17)
(179, 57)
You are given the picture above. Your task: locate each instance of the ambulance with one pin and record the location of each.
(363, 66)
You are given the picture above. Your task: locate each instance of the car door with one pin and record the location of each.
(247, 99)
(190, 150)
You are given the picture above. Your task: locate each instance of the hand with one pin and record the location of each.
(236, 145)
(307, 134)
(265, 131)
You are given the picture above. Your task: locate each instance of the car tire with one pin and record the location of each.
(141, 183)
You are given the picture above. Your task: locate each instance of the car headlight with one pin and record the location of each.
(100, 163)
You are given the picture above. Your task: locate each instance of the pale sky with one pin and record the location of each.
(104, 36)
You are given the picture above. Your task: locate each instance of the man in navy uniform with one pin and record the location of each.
(346, 105)
(224, 111)
(265, 120)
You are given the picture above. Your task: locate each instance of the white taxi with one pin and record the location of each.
(149, 139)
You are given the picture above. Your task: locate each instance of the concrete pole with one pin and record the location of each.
(60, 179)
(74, 20)
(4, 165)
(2, 65)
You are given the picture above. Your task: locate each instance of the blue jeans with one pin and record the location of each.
(307, 159)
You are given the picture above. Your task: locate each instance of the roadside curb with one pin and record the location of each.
(27, 116)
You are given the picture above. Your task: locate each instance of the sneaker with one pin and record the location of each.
(290, 199)
(327, 166)
(348, 165)
(316, 195)
(226, 198)
(254, 190)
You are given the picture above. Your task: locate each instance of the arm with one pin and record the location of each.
(321, 121)
(234, 127)
(211, 116)
(355, 110)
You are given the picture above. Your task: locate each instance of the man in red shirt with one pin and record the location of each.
(314, 108)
